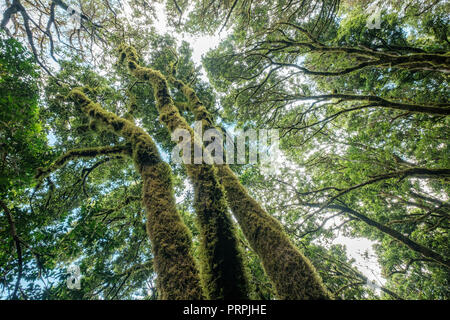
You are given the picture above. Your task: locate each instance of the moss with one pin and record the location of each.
(195, 105)
(82, 153)
(223, 272)
(181, 106)
(178, 276)
(292, 274)
(171, 241)
(221, 255)
(93, 126)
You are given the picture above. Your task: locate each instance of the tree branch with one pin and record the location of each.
(83, 153)
(17, 243)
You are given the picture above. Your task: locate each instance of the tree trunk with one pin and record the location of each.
(223, 273)
(171, 242)
(292, 274)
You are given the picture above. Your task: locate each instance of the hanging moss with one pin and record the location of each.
(292, 274)
(178, 277)
(223, 272)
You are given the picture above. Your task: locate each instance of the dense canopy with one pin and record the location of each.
(94, 93)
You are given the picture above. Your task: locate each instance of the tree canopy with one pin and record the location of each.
(92, 96)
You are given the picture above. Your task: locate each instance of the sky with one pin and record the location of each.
(200, 44)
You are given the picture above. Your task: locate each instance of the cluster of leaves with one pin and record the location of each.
(23, 139)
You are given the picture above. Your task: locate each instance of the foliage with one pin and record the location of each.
(22, 133)
(362, 115)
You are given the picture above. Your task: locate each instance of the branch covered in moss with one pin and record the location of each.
(194, 104)
(83, 153)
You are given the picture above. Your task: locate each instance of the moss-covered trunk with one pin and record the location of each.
(174, 264)
(224, 275)
(292, 274)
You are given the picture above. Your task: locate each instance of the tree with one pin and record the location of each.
(362, 115)
(361, 127)
(23, 147)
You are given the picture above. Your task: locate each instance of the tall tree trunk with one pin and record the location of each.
(223, 273)
(175, 266)
(292, 274)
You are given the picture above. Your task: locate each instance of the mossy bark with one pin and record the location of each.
(223, 273)
(82, 153)
(292, 274)
(174, 264)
